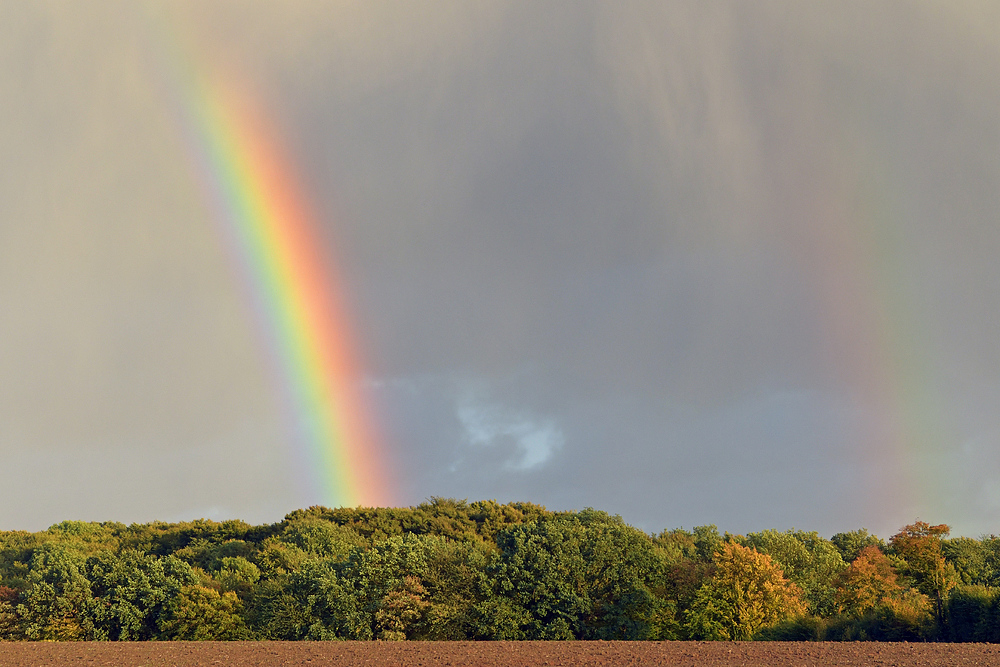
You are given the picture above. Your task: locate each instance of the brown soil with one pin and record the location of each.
(489, 654)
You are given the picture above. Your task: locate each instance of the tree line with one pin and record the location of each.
(450, 569)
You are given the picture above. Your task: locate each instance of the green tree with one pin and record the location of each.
(282, 606)
(700, 544)
(623, 568)
(586, 576)
(322, 538)
(275, 558)
(57, 595)
(455, 580)
(540, 570)
(131, 589)
(238, 575)
(972, 559)
(199, 613)
(806, 559)
(688, 557)
(354, 598)
(969, 611)
(851, 543)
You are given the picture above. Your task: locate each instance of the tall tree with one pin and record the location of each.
(748, 592)
(920, 545)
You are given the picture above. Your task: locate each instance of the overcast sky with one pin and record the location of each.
(687, 262)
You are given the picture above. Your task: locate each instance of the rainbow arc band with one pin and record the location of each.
(267, 219)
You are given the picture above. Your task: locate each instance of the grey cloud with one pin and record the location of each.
(721, 253)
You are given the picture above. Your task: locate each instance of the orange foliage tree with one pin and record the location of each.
(869, 582)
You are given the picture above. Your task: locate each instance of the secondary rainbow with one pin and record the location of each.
(268, 222)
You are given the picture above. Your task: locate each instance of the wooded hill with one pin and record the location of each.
(451, 569)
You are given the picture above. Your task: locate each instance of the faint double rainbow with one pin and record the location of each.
(875, 338)
(266, 218)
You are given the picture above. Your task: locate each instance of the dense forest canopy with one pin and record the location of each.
(450, 569)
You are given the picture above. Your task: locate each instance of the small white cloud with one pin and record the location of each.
(538, 443)
(537, 439)
(480, 422)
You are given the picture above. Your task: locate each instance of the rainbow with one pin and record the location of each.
(872, 336)
(267, 221)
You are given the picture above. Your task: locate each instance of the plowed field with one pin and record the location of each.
(489, 654)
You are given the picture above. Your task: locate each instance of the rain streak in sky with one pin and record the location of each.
(687, 262)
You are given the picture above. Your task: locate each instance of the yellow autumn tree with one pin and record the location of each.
(921, 546)
(748, 592)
